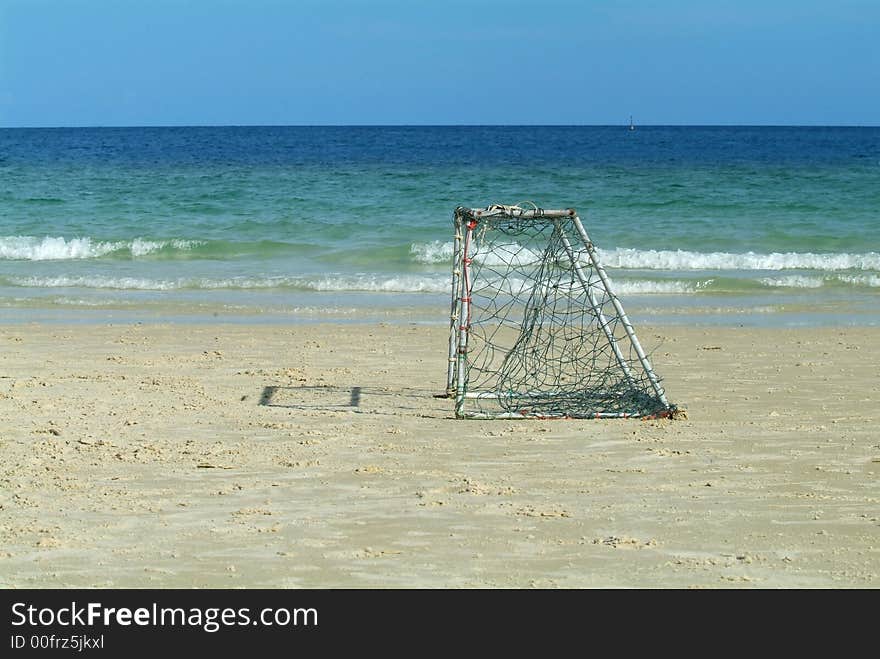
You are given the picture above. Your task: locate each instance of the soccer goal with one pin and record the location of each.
(536, 330)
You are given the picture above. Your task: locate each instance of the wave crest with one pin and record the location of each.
(685, 260)
(803, 281)
(327, 283)
(637, 259)
(57, 248)
(372, 283)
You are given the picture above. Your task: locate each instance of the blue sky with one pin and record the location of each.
(209, 62)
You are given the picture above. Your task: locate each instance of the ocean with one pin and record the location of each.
(697, 225)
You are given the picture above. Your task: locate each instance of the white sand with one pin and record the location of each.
(232, 456)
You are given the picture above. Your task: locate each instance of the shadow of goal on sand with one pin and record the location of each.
(363, 400)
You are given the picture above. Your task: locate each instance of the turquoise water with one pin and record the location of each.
(731, 225)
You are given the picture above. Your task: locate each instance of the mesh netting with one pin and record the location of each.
(537, 329)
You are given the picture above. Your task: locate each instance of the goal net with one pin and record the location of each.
(536, 330)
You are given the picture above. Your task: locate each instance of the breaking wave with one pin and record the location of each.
(48, 248)
(636, 259)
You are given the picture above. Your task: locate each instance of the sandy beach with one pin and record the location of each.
(315, 456)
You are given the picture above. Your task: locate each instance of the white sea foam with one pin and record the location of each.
(49, 248)
(31, 248)
(94, 281)
(327, 283)
(649, 287)
(793, 281)
(861, 280)
(380, 284)
(144, 284)
(433, 252)
(502, 254)
(411, 283)
(805, 281)
(140, 247)
(637, 259)
(686, 260)
(79, 302)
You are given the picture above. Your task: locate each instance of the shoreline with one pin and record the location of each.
(715, 313)
(314, 456)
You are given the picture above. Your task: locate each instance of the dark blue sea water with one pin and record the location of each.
(777, 225)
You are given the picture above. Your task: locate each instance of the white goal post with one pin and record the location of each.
(535, 329)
